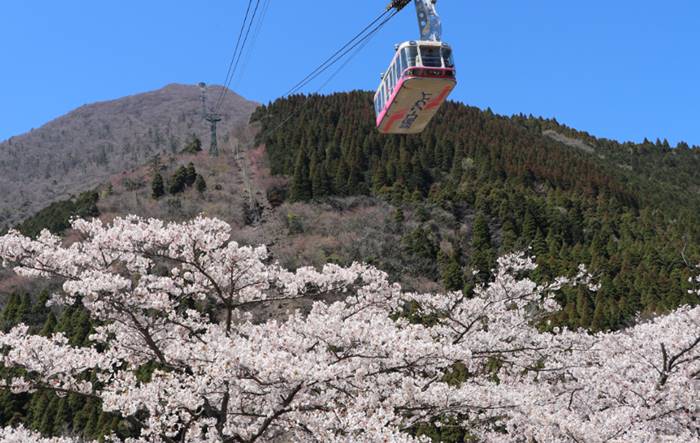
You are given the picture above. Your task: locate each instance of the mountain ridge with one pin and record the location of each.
(82, 148)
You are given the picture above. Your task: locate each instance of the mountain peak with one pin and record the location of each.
(89, 144)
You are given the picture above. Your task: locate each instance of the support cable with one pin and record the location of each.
(336, 55)
(240, 47)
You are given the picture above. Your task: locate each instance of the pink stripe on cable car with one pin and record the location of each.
(423, 73)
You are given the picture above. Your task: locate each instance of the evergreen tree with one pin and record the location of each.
(49, 325)
(450, 272)
(8, 407)
(62, 418)
(37, 408)
(319, 177)
(482, 254)
(200, 184)
(9, 312)
(340, 181)
(193, 145)
(157, 186)
(178, 182)
(529, 229)
(301, 185)
(583, 308)
(92, 418)
(23, 313)
(191, 174)
(49, 414)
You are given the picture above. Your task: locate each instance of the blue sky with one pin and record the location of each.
(620, 69)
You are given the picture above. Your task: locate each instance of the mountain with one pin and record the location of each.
(86, 146)
(311, 178)
(476, 185)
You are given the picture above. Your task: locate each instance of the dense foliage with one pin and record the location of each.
(57, 216)
(44, 410)
(174, 353)
(627, 211)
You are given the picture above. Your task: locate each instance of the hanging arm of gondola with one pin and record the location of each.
(429, 20)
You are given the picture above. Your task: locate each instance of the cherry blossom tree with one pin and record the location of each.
(366, 363)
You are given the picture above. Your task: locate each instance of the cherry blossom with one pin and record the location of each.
(367, 362)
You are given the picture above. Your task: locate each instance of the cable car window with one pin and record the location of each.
(430, 56)
(385, 85)
(411, 54)
(447, 57)
(404, 60)
(392, 78)
(399, 67)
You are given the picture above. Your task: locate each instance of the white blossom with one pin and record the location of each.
(354, 370)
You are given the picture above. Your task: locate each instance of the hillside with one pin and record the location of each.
(311, 178)
(84, 147)
(430, 209)
(479, 185)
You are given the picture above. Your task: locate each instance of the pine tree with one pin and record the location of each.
(93, 416)
(200, 184)
(301, 184)
(49, 414)
(509, 238)
(340, 181)
(62, 418)
(157, 186)
(24, 309)
(482, 254)
(450, 272)
(193, 145)
(80, 327)
(600, 320)
(8, 407)
(583, 308)
(191, 174)
(49, 325)
(539, 245)
(178, 182)
(9, 312)
(37, 408)
(319, 177)
(529, 229)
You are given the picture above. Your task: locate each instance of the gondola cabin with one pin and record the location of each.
(417, 83)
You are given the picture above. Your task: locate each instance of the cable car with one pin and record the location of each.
(419, 79)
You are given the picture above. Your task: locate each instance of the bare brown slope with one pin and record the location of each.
(77, 151)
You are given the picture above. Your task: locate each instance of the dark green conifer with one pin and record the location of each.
(200, 184)
(301, 184)
(450, 272)
(193, 145)
(191, 174)
(178, 181)
(49, 325)
(157, 186)
(49, 414)
(9, 311)
(482, 255)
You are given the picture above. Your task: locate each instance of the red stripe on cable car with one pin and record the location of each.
(389, 102)
(437, 101)
(397, 117)
(405, 77)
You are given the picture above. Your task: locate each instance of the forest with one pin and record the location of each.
(628, 211)
(157, 344)
(625, 211)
